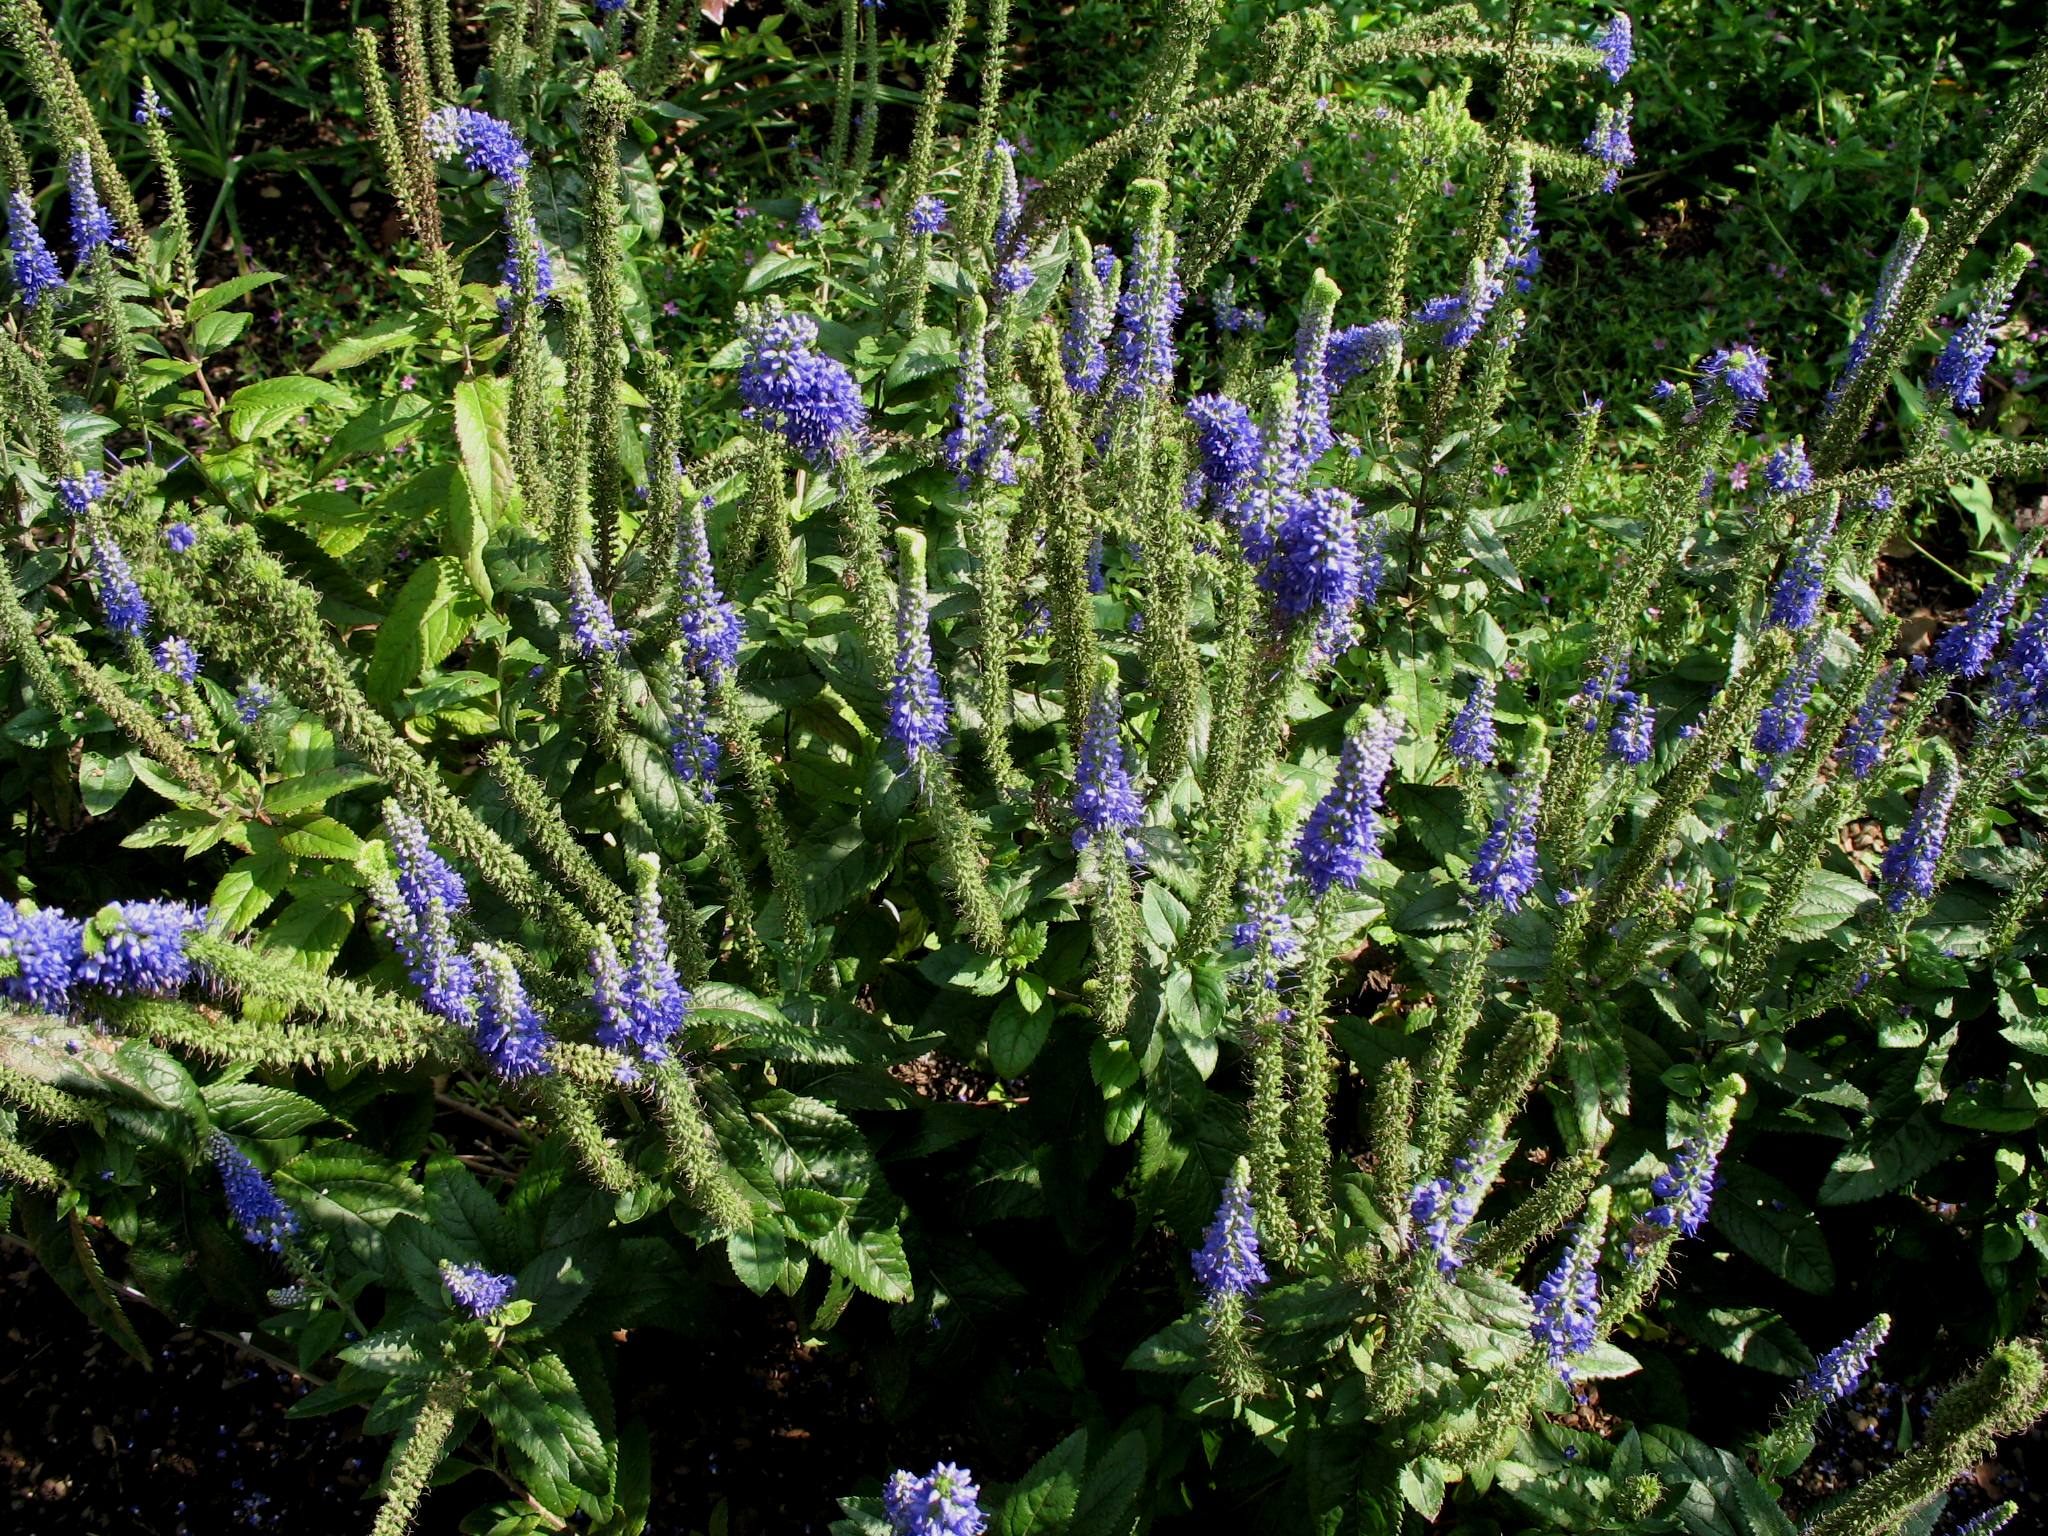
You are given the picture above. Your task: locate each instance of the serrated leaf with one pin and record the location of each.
(1111, 1488)
(1044, 1499)
(256, 410)
(260, 1111)
(220, 295)
(431, 615)
(1766, 1221)
(550, 1434)
(870, 1256)
(1873, 1165)
(385, 336)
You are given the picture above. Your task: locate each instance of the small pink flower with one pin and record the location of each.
(407, 382)
(669, 307)
(1738, 477)
(341, 482)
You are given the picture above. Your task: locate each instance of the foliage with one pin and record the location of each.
(673, 747)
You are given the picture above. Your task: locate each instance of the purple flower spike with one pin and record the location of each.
(1342, 834)
(475, 1289)
(485, 143)
(1567, 1304)
(1227, 1263)
(1909, 864)
(264, 1218)
(792, 389)
(1842, 1369)
(1506, 869)
(1473, 740)
(1964, 650)
(1617, 45)
(36, 276)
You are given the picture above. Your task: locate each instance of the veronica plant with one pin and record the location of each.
(977, 672)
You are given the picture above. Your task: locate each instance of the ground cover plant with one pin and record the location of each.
(1004, 806)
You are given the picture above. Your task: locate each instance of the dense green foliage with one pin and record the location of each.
(971, 1056)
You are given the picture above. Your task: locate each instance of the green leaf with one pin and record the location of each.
(307, 791)
(1873, 1165)
(1018, 1028)
(258, 1110)
(870, 1256)
(1044, 1499)
(102, 781)
(1767, 1222)
(757, 1253)
(377, 428)
(1112, 1487)
(480, 432)
(246, 891)
(553, 1441)
(1721, 1496)
(432, 614)
(775, 268)
(385, 336)
(220, 295)
(212, 332)
(256, 410)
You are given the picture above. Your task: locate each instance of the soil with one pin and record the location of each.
(759, 1424)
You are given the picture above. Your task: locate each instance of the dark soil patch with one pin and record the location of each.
(91, 1442)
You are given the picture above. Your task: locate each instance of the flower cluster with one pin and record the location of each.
(641, 1004)
(2020, 691)
(419, 908)
(176, 657)
(40, 948)
(695, 752)
(978, 448)
(928, 215)
(509, 1030)
(1473, 740)
(591, 628)
(1964, 650)
(1227, 1263)
(1342, 834)
(1634, 730)
(1744, 373)
(1862, 745)
(1145, 317)
(138, 947)
(711, 627)
(1610, 142)
(257, 1209)
(1567, 1303)
(797, 391)
(1958, 374)
(1265, 918)
(1084, 346)
(121, 600)
(36, 276)
(1801, 587)
(1782, 727)
(1617, 44)
(92, 227)
(1105, 804)
(1788, 471)
(919, 717)
(1506, 869)
(475, 1289)
(1684, 1191)
(485, 143)
(944, 1502)
(1909, 864)
(1445, 1208)
(1842, 1369)
(127, 949)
